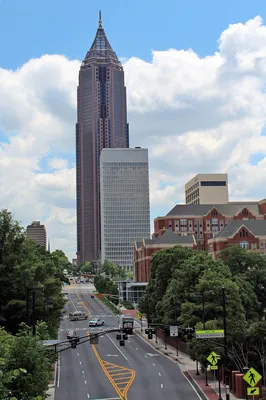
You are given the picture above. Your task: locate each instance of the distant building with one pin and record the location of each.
(37, 233)
(125, 207)
(143, 251)
(207, 189)
(74, 261)
(250, 235)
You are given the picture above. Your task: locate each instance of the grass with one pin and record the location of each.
(110, 305)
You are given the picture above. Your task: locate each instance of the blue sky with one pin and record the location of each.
(211, 108)
(30, 28)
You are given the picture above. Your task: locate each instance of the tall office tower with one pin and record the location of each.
(101, 123)
(37, 232)
(125, 206)
(207, 189)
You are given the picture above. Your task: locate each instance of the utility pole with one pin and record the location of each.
(204, 326)
(226, 371)
(33, 312)
(28, 305)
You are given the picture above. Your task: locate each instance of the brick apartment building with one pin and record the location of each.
(250, 235)
(144, 249)
(210, 226)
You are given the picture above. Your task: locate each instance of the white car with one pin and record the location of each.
(96, 322)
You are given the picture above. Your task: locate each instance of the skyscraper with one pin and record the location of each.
(37, 232)
(101, 123)
(125, 205)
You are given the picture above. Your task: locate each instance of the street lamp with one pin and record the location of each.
(33, 291)
(204, 326)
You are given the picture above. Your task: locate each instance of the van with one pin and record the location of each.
(77, 316)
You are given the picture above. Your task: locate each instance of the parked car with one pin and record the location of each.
(92, 295)
(96, 322)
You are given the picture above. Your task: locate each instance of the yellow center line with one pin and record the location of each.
(122, 392)
(84, 304)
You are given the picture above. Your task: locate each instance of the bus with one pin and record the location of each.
(126, 322)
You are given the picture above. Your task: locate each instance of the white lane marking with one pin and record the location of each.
(153, 364)
(88, 395)
(82, 372)
(136, 348)
(146, 356)
(128, 341)
(119, 350)
(80, 362)
(78, 353)
(161, 385)
(85, 382)
(58, 371)
(191, 385)
(159, 373)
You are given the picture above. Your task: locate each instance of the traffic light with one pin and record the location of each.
(150, 332)
(149, 335)
(122, 343)
(118, 336)
(190, 332)
(73, 344)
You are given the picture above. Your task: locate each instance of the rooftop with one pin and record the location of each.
(101, 51)
(228, 209)
(257, 227)
(169, 237)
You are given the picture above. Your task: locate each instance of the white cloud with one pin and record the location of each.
(195, 114)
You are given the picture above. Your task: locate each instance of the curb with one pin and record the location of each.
(195, 385)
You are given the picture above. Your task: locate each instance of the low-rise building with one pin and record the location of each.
(143, 251)
(250, 235)
(205, 221)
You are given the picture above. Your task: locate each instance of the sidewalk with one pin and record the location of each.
(188, 367)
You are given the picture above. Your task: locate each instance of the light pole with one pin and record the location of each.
(204, 326)
(226, 375)
(245, 370)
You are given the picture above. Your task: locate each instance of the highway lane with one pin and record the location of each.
(136, 371)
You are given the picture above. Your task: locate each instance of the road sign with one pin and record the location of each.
(214, 366)
(254, 391)
(210, 334)
(213, 358)
(252, 377)
(173, 330)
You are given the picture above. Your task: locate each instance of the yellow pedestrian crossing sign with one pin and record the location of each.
(254, 391)
(252, 377)
(213, 358)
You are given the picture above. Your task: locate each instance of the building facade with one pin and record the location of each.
(204, 221)
(101, 123)
(37, 232)
(207, 189)
(143, 251)
(125, 206)
(249, 234)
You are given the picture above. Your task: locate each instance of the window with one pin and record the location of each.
(244, 245)
(213, 183)
(261, 245)
(183, 225)
(214, 212)
(253, 246)
(245, 212)
(243, 233)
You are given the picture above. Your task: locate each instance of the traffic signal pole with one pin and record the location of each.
(226, 370)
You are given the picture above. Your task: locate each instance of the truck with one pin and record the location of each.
(126, 322)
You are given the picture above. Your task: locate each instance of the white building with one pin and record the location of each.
(207, 189)
(125, 205)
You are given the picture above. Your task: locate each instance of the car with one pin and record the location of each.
(72, 334)
(92, 295)
(96, 322)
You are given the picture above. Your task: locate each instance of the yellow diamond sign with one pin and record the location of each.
(252, 377)
(213, 358)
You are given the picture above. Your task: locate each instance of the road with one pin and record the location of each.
(108, 371)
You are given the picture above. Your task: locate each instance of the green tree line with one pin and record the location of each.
(182, 279)
(26, 267)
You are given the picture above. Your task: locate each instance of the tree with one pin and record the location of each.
(87, 267)
(110, 268)
(23, 264)
(25, 364)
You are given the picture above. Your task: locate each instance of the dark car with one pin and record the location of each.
(71, 334)
(92, 295)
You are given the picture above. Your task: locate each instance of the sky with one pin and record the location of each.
(195, 75)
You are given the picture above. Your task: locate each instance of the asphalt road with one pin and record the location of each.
(135, 371)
